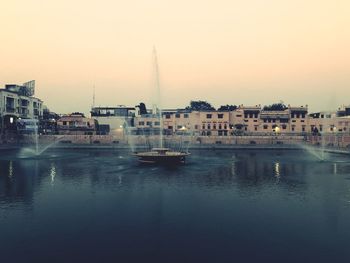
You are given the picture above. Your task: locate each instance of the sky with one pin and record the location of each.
(224, 51)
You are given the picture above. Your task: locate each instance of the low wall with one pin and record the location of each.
(168, 140)
(336, 141)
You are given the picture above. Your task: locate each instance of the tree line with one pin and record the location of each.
(201, 105)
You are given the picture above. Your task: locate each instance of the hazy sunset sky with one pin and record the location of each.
(223, 51)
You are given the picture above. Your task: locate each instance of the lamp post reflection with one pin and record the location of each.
(10, 172)
(277, 171)
(52, 173)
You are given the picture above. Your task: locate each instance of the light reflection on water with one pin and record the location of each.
(53, 173)
(232, 202)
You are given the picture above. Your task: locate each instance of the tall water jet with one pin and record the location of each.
(160, 154)
(157, 107)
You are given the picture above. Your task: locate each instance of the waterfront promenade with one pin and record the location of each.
(339, 143)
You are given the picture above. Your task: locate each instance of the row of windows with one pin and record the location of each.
(220, 116)
(177, 115)
(250, 115)
(274, 120)
(284, 127)
(298, 115)
(220, 126)
(149, 123)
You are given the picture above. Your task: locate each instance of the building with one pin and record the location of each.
(214, 123)
(77, 124)
(18, 102)
(148, 124)
(113, 119)
(247, 120)
(330, 122)
(181, 121)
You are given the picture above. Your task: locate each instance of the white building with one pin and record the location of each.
(18, 102)
(113, 120)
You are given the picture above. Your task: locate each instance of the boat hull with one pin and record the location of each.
(151, 158)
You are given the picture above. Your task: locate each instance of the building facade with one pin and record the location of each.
(76, 124)
(18, 102)
(113, 119)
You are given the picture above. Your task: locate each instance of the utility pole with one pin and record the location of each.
(93, 97)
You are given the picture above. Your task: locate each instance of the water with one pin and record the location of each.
(36, 150)
(222, 206)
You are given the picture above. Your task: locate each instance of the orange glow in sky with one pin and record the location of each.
(224, 51)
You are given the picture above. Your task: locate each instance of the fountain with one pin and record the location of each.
(160, 154)
(37, 150)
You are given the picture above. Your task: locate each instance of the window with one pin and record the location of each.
(255, 120)
(246, 115)
(156, 123)
(293, 127)
(220, 116)
(203, 127)
(255, 115)
(238, 115)
(209, 126)
(265, 127)
(220, 127)
(186, 115)
(149, 123)
(225, 126)
(64, 123)
(196, 127)
(179, 127)
(303, 128)
(208, 116)
(177, 115)
(255, 128)
(284, 127)
(141, 123)
(214, 126)
(167, 116)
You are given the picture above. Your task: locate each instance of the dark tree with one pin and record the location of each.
(200, 106)
(227, 108)
(275, 107)
(143, 109)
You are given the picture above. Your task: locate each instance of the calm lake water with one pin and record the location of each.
(222, 206)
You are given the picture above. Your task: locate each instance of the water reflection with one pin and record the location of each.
(10, 169)
(248, 172)
(277, 171)
(52, 173)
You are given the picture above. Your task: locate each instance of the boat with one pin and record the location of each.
(162, 155)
